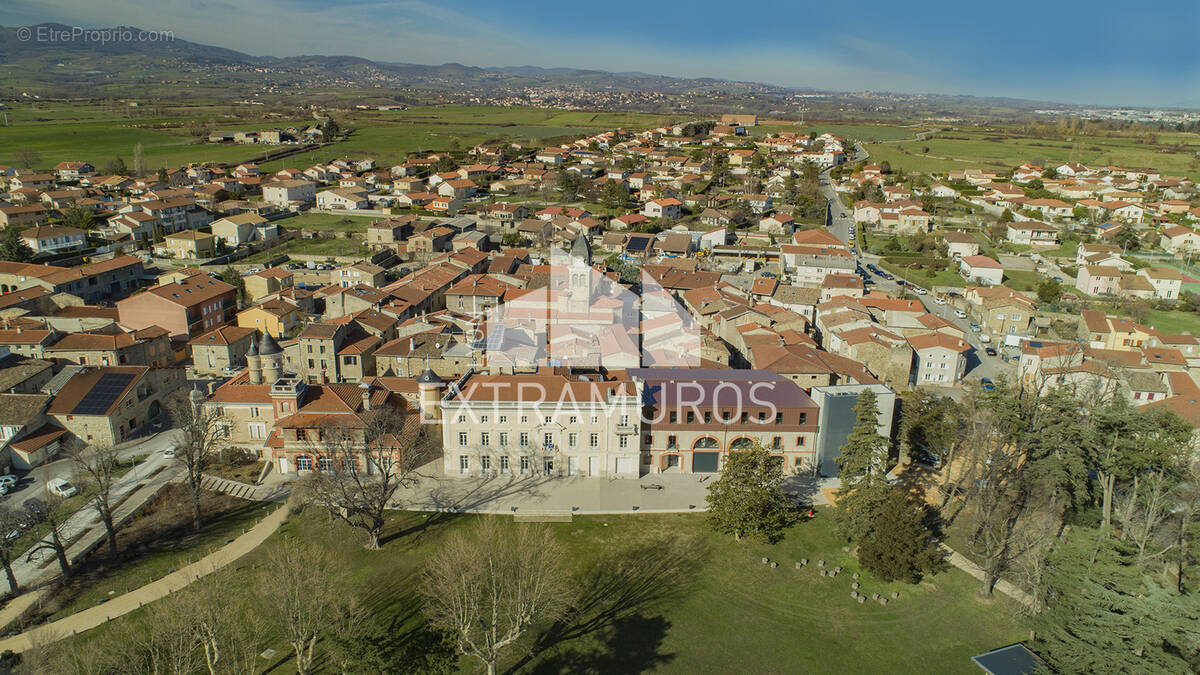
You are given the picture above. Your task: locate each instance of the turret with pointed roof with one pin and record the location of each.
(581, 249)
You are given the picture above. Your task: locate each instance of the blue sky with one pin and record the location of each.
(1098, 51)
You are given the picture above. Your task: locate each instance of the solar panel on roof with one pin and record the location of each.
(103, 394)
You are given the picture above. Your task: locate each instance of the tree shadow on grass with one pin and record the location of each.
(631, 644)
(624, 587)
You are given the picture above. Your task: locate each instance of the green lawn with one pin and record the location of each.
(664, 594)
(1174, 321)
(920, 277)
(1068, 249)
(1022, 280)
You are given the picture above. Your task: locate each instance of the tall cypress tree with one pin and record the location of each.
(862, 467)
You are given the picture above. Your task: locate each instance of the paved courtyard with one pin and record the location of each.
(561, 495)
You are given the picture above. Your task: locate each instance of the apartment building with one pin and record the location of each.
(185, 308)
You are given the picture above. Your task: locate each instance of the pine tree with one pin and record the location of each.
(1104, 614)
(899, 545)
(748, 499)
(862, 466)
(13, 247)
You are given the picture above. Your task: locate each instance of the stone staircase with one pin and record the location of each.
(229, 487)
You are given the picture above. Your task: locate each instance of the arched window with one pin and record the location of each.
(742, 443)
(706, 443)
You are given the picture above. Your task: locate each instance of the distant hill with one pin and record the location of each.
(25, 63)
(182, 69)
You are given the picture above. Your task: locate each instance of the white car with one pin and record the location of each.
(960, 314)
(169, 453)
(9, 480)
(940, 301)
(985, 338)
(919, 291)
(60, 487)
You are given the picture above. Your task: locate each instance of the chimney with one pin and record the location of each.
(366, 395)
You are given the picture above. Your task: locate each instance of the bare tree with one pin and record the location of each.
(1143, 511)
(488, 586)
(163, 639)
(96, 471)
(27, 158)
(225, 624)
(11, 521)
(365, 464)
(204, 435)
(52, 513)
(302, 596)
(139, 160)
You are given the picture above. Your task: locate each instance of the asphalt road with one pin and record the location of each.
(979, 364)
(32, 483)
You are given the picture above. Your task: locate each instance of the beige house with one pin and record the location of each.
(242, 228)
(266, 282)
(188, 244)
(221, 350)
(960, 244)
(361, 272)
(288, 193)
(941, 359)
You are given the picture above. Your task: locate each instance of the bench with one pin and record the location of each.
(652, 486)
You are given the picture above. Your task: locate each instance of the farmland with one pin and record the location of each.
(89, 132)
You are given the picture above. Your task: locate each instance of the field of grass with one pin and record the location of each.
(327, 221)
(58, 131)
(665, 594)
(1173, 321)
(962, 149)
(100, 141)
(1022, 280)
(331, 248)
(921, 278)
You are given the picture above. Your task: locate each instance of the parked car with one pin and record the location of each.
(940, 301)
(61, 487)
(9, 480)
(990, 351)
(976, 327)
(960, 314)
(984, 337)
(987, 383)
(169, 453)
(927, 458)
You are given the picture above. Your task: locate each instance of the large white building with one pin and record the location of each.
(550, 422)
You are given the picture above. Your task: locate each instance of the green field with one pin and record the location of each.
(87, 132)
(996, 149)
(665, 594)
